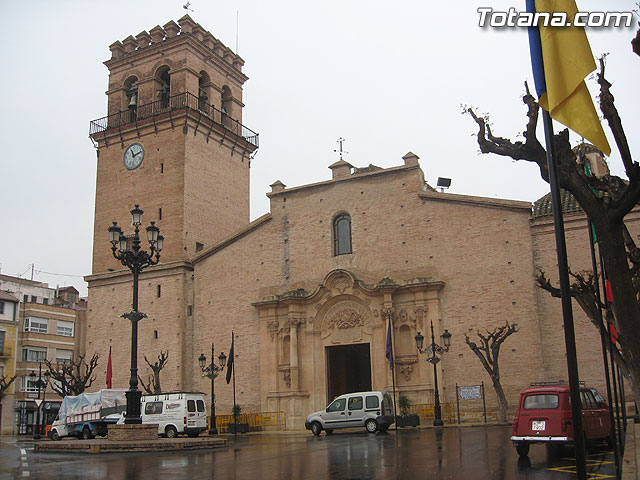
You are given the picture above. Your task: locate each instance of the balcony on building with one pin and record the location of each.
(206, 116)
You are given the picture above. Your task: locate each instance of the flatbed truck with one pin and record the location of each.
(88, 415)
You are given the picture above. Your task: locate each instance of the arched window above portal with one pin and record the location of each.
(342, 235)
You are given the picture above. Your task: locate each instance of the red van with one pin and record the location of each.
(544, 416)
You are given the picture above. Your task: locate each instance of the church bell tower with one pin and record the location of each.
(173, 140)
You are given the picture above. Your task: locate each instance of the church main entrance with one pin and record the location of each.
(348, 369)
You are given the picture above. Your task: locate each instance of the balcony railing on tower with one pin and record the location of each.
(184, 100)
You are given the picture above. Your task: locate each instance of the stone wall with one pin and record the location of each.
(478, 248)
(147, 431)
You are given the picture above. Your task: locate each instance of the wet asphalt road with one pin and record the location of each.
(449, 453)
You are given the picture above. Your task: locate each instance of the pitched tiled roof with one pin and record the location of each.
(542, 207)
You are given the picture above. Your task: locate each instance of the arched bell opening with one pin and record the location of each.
(226, 106)
(163, 85)
(204, 92)
(131, 96)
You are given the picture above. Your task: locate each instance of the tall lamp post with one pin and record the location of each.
(136, 260)
(211, 371)
(432, 352)
(40, 383)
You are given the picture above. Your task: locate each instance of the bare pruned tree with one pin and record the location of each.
(74, 377)
(153, 385)
(489, 352)
(583, 290)
(606, 200)
(5, 383)
(635, 43)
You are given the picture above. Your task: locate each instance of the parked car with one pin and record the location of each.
(544, 416)
(372, 410)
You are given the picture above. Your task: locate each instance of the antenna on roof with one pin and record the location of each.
(341, 151)
(186, 7)
(237, 28)
(443, 183)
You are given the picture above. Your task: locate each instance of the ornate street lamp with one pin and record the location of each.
(40, 383)
(432, 352)
(136, 260)
(211, 371)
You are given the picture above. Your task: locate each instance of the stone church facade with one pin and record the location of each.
(309, 288)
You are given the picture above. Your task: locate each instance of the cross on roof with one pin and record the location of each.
(340, 151)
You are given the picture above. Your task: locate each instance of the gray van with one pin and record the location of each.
(371, 410)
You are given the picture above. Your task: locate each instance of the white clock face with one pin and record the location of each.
(133, 156)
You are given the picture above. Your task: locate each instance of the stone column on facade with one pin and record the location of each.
(293, 353)
(146, 90)
(183, 80)
(270, 367)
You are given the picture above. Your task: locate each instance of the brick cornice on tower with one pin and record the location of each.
(171, 28)
(143, 39)
(117, 49)
(186, 32)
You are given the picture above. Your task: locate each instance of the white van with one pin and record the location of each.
(175, 413)
(372, 410)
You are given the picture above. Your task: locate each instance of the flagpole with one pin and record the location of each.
(614, 381)
(393, 375)
(603, 341)
(567, 314)
(109, 370)
(611, 357)
(233, 374)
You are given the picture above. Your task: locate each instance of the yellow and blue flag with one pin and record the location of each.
(561, 58)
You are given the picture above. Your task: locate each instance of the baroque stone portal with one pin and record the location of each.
(344, 322)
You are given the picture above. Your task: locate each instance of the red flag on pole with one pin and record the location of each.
(614, 333)
(609, 291)
(109, 370)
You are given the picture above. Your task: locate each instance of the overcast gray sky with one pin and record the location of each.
(389, 77)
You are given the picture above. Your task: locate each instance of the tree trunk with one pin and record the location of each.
(502, 400)
(156, 382)
(627, 313)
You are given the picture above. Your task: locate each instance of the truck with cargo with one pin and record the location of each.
(88, 414)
